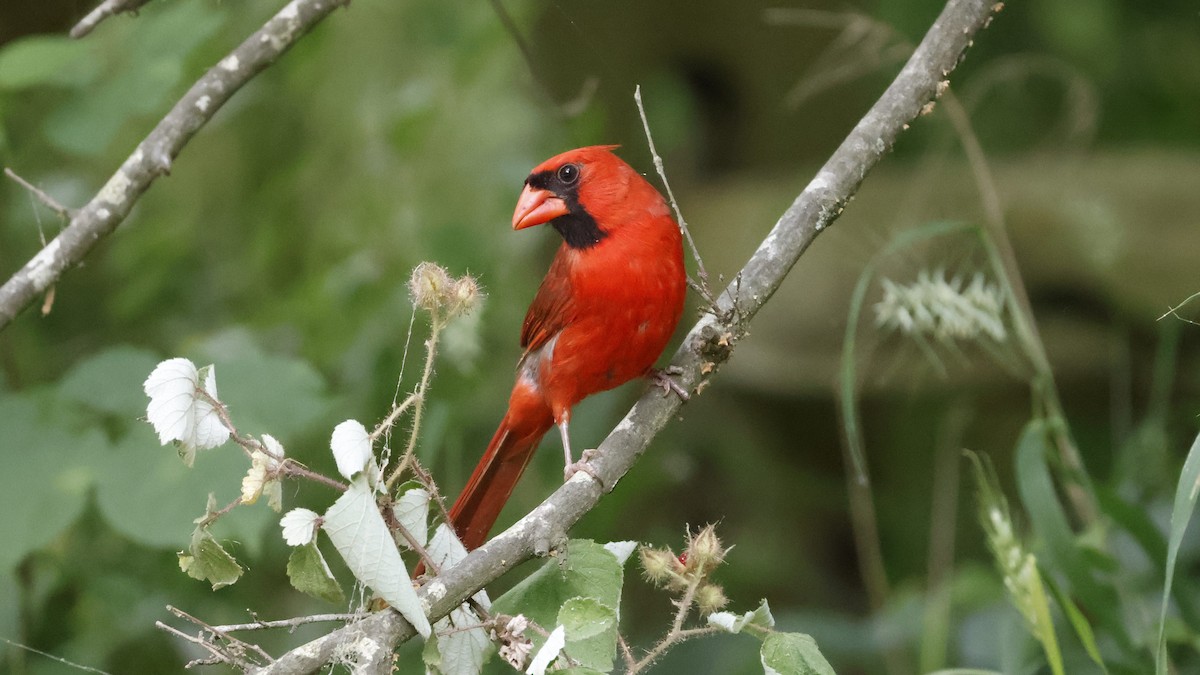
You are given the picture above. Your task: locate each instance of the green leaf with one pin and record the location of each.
(1186, 493)
(589, 571)
(45, 479)
(1083, 629)
(44, 60)
(358, 531)
(758, 618)
(1059, 547)
(111, 381)
(148, 495)
(309, 573)
(268, 393)
(793, 654)
(207, 561)
(591, 629)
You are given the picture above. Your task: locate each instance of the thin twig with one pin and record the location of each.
(154, 155)
(103, 11)
(217, 652)
(236, 646)
(386, 425)
(676, 633)
(293, 622)
(212, 516)
(701, 272)
(291, 467)
(49, 202)
(79, 666)
(394, 524)
(286, 465)
(435, 329)
(1174, 311)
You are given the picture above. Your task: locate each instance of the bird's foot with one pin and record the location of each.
(663, 378)
(583, 465)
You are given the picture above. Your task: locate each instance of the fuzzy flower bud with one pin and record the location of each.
(435, 291)
(659, 566)
(704, 550)
(710, 598)
(466, 295)
(430, 287)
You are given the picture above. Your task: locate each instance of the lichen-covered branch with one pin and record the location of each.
(153, 156)
(706, 346)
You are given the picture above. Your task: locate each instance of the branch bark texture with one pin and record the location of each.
(707, 345)
(153, 156)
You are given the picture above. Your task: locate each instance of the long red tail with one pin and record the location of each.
(479, 505)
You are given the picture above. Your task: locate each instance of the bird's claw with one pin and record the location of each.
(583, 465)
(663, 378)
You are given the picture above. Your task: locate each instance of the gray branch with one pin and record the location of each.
(707, 345)
(103, 11)
(153, 156)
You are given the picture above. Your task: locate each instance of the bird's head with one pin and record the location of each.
(576, 192)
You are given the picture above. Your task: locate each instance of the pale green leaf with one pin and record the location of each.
(412, 511)
(462, 644)
(760, 618)
(621, 549)
(1186, 493)
(358, 531)
(548, 652)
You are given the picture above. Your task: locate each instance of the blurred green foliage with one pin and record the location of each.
(279, 247)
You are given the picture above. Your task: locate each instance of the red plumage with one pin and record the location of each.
(603, 314)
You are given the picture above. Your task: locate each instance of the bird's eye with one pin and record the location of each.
(568, 173)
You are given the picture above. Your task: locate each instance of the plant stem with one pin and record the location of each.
(435, 329)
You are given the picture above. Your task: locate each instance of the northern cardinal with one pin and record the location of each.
(601, 317)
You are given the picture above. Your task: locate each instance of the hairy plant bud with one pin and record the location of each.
(431, 287)
(466, 295)
(658, 564)
(710, 598)
(704, 550)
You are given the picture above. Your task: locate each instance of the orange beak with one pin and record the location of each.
(537, 206)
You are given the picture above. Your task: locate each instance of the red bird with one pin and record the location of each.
(602, 316)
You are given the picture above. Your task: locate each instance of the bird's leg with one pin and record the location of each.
(662, 378)
(573, 467)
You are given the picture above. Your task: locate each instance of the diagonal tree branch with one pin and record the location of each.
(706, 346)
(103, 11)
(153, 156)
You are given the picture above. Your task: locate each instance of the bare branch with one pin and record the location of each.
(662, 173)
(235, 648)
(50, 202)
(103, 11)
(288, 623)
(153, 156)
(706, 345)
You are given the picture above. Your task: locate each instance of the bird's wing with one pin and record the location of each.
(552, 308)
